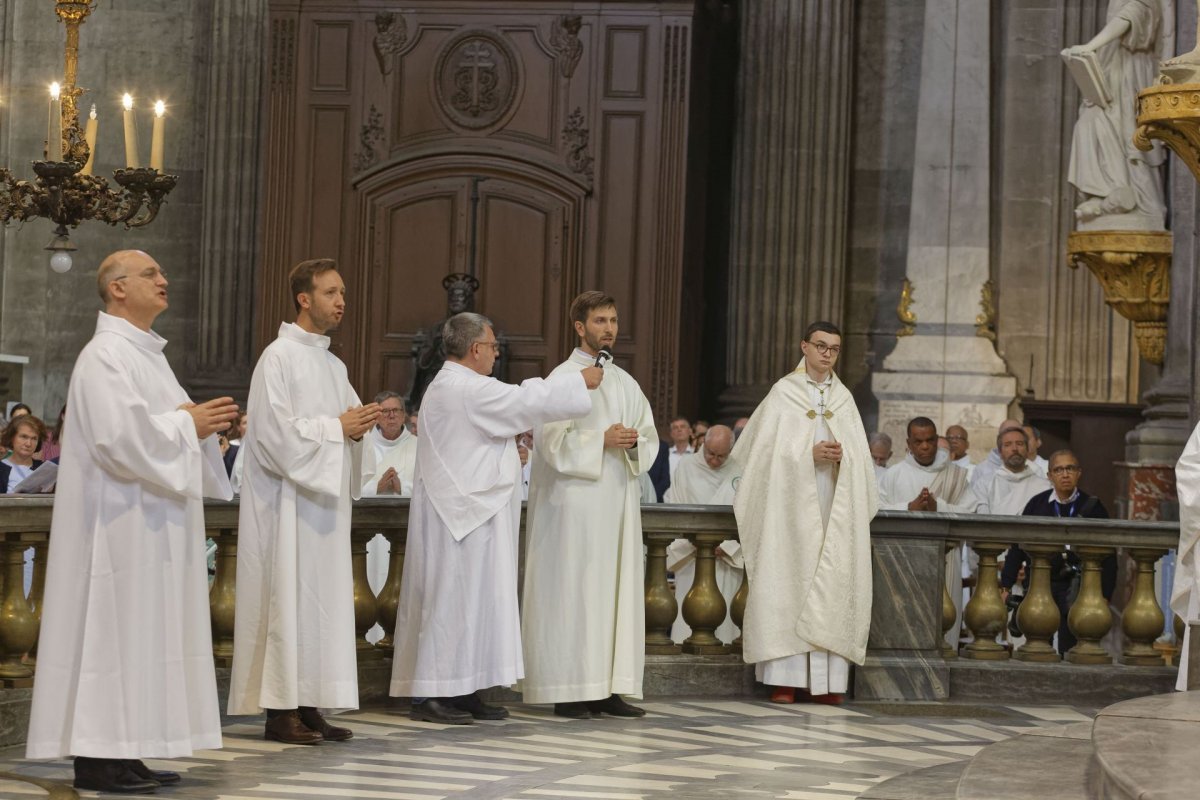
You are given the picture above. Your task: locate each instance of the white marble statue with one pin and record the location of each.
(1121, 187)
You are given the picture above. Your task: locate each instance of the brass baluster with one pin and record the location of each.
(1090, 618)
(661, 606)
(18, 627)
(986, 614)
(703, 606)
(949, 610)
(1038, 614)
(737, 610)
(221, 595)
(1143, 619)
(37, 592)
(365, 605)
(388, 601)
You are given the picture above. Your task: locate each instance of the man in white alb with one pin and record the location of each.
(584, 599)
(458, 630)
(926, 480)
(294, 639)
(125, 667)
(957, 436)
(707, 477)
(395, 450)
(1018, 480)
(804, 508)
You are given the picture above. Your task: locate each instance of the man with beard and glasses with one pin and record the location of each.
(584, 598)
(294, 638)
(1016, 482)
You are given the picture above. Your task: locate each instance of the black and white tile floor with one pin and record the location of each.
(682, 749)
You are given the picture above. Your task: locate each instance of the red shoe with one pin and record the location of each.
(783, 694)
(830, 699)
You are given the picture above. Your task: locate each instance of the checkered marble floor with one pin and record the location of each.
(693, 748)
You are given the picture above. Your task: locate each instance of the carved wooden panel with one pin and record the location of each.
(539, 146)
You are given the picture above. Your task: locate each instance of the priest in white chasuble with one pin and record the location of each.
(804, 508)
(706, 477)
(458, 627)
(294, 637)
(584, 598)
(1185, 595)
(125, 667)
(395, 450)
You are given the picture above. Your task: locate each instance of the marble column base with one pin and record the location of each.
(1147, 487)
(910, 676)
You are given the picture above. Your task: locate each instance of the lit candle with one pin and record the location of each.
(156, 140)
(90, 137)
(131, 142)
(54, 125)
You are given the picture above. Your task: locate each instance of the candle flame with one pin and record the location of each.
(55, 89)
(92, 115)
(160, 108)
(127, 101)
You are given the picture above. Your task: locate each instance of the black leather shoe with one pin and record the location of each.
(160, 776)
(288, 728)
(109, 775)
(615, 706)
(477, 708)
(435, 709)
(312, 718)
(572, 710)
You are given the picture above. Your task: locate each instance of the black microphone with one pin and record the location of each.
(604, 355)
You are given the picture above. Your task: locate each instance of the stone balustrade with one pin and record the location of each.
(912, 606)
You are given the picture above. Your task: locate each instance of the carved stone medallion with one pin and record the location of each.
(476, 80)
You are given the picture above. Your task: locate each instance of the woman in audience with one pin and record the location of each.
(53, 444)
(23, 436)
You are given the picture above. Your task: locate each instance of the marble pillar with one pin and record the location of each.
(223, 349)
(945, 368)
(790, 197)
(1153, 447)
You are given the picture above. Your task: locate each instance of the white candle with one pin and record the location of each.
(54, 126)
(156, 139)
(131, 142)
(90, 137)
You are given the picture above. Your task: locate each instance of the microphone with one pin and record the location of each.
(604, 355)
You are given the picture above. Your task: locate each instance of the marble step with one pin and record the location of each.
(1149, 748)
(932, 783)
(1058, 760)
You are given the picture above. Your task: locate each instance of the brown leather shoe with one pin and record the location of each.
(313, 719)
(288, 728)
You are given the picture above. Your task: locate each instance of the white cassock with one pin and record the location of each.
(950, 485)
(806, 535)
(1185, 594)
(584, 598)
(125, 664)
(458, 627)
(401, 455)
(1008, 492)
(294, 638)
(696, 483)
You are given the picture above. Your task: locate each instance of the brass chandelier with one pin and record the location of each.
(64, 190)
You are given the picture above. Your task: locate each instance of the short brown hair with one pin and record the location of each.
(28, 420)
(583, 305)
(301, 276)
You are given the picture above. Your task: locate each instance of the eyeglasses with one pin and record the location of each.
(494, 345)
(150, 274)
(825, 349)
(1065, 469)
(956, 438)
(389, 412)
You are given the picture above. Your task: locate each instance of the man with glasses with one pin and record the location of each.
(804, 509)
(294, 640)
(706, 477)
(458, 629)
(956, 436)
(1062, 500)
(125, 668)
(395, 449)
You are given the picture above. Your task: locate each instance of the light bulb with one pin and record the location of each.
(61, 261)
(55, 90)
(160, 108)
(127, 101)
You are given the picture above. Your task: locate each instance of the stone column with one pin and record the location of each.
(790, 198)
(945, 364)
(223, 349)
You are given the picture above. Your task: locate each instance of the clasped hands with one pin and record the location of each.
(389, 483)
(827, 453)
(357, 420)
(213, 416)
(925, 501)
(620, 437)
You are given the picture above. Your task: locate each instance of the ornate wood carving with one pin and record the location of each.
(476, 79)
(370, 136)
(564, 40)
(391, 34)
(575, 137)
